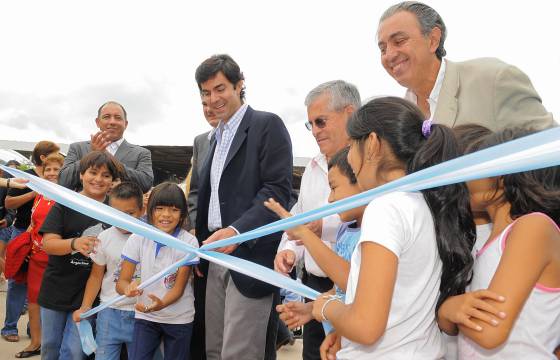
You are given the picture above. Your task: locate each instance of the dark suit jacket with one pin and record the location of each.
(200, 151)
(258, 166)
(136, 160)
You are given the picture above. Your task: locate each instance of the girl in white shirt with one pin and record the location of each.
(512, 309)
(414, 249)
(167, 311)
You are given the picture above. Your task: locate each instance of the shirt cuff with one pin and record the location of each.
(234, 229)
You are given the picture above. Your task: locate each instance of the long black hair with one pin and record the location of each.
(398, 123)
(528, 191)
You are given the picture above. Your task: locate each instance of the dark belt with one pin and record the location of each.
(318, 283)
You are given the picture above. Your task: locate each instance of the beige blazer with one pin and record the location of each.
(489, 92)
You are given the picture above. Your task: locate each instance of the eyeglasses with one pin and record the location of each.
(319, 122)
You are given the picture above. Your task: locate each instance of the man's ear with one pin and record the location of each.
(239, 86)
(349, 110)
(435, 39)
(97, 123)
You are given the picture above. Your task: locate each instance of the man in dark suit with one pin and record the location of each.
(201, 146)
(249, 161)
(111, 121)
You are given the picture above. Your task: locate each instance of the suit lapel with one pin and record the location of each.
(240, 136)
(446, 110)
(123, 149)
(207, 165)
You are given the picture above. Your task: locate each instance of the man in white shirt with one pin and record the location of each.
(329, 106)
(112, 122)
(484, 91)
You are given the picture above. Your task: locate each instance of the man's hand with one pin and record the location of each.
(99, 141)
(284, 261)
(220, 235)
(3, 223)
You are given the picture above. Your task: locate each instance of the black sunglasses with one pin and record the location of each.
(319, 122)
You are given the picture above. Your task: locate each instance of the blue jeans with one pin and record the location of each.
(59, 336)
(148, 334)
(114, 328)
(15, 298)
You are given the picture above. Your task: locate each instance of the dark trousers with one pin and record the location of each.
(272, 329)
(148, 335)
(198, 343)
(313, 333)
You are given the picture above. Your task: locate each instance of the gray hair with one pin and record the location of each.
(427, 17)
(341, 94)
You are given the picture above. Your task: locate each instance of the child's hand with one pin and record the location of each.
(86, 245)
(330, 346)
(284, 261)
(461, 309)
(76, 314)
(156, 305)
(295, 313)
(132, 289)
(295, 233)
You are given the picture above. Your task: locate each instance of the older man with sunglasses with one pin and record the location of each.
(329, 106)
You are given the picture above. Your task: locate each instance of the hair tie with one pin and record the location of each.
(427, 127)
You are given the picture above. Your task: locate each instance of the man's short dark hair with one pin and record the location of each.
(111, 102)
(128, 190)
(219, 63)
(96, 159)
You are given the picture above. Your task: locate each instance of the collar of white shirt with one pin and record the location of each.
(320, 160)
(434, 95)
(114, 146)
(233, 123)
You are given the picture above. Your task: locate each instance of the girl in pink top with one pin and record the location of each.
(511, 309)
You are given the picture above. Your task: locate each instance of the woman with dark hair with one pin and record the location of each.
(520, 262)
(22, 200)
(50, 168)
(414, 249)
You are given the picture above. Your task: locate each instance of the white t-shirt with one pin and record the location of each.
(108, 254)
(402, 223)
(153, 259)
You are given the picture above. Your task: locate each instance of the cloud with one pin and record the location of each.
(71, 115)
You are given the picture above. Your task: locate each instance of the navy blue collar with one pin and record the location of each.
(175, 234)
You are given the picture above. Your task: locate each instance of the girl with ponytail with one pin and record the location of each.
(415, 248)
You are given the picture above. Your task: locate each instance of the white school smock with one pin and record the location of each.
(108, 254)
(153, 258)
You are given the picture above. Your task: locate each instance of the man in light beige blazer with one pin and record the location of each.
(485, 91)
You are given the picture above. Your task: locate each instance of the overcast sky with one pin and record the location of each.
(62, 59)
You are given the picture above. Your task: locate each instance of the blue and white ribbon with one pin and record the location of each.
(528, 153)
